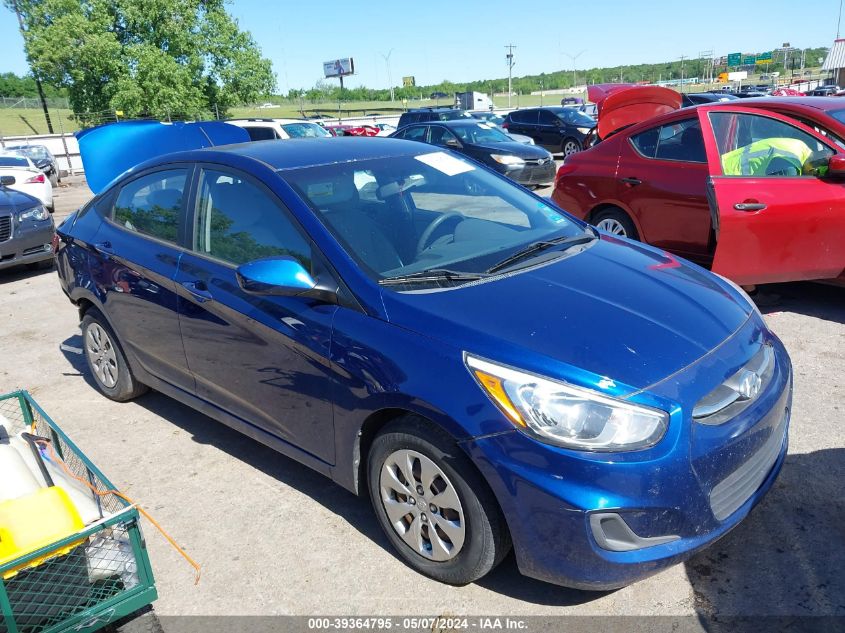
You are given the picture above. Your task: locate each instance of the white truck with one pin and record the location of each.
(473, 101)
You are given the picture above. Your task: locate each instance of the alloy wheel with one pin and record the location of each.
(422, 505)
(612, 226)
(101, 355)
(570, 147)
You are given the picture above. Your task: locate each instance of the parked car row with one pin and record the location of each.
(754, 189)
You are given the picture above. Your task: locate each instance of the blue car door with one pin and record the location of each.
(136, 255)
(263, 359)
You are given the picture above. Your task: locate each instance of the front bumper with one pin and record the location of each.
(29, 243)
(549, 495)
(532, 174)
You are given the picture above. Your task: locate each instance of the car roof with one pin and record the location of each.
(467, 122)
(819, 103)
(301, 152)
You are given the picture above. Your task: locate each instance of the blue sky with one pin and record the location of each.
(462, 41)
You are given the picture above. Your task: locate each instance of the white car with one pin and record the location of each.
(269, 129)
(28, 178)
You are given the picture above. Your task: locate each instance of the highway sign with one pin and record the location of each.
(734, 59)
(749, 60)
(764, 58)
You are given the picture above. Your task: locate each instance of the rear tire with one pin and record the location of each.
(54, 179)
(452, 530)
(106, 359)
(616, 222)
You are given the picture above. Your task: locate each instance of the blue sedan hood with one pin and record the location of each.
(619, 310)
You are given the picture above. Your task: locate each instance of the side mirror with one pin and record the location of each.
(6, 181)
(281, 277)
(453, 142)
(836, 166)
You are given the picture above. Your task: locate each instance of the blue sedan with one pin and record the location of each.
(492, 372)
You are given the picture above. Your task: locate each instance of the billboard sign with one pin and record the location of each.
(734, 59)
(409, 82)
(339, 67)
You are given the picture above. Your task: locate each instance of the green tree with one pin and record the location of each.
(160, 58)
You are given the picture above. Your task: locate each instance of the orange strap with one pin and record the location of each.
(117, 493)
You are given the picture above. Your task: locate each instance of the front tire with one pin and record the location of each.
(569, 146)
(106, 360)
(434, 507)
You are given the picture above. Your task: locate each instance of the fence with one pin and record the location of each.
(34, 102)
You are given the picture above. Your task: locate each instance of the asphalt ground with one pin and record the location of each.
(273, 537)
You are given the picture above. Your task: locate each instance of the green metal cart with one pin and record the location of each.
(89, 580)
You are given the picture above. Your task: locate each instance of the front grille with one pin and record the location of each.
(5, 227)
(732, 396)
(727, 496)
(537, 161)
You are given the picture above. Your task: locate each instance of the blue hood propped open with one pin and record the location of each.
(110, 150)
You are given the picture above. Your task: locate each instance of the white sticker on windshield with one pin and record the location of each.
(485, 125)
(320, 190)
(442, 161)
(550, 213)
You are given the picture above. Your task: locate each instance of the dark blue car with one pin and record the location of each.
(490, 370)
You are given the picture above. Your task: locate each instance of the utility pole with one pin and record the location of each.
(34, 73)
(389, 76)
(510, 63)
(839, 19)
(683, 57)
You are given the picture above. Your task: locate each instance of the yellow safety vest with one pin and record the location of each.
(753, 159)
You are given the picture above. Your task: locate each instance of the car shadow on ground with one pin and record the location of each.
(821, 301)
(785, 560)
(357, 511)
(19, 273)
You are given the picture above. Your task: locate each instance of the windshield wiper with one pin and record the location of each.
(541, 245)
(435, 274)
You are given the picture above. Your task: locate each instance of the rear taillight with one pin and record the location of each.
(565, 170)
(34, 179)
(505, 125)
(55, 242)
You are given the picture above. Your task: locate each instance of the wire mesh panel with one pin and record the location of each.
(86, 579)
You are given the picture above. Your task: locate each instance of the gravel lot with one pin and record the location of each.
(276, 538)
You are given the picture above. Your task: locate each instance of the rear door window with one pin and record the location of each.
(261, 133)
(547, 118)
(646, 142)
(681, 141)
(152, 204)
(416, 133)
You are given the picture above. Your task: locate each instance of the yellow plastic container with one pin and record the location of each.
(34, 521)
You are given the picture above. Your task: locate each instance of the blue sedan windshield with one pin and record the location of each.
(408, 214)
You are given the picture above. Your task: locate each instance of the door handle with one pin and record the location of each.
(632, 181)
(198, 291)
(104, 249)
(749, 206)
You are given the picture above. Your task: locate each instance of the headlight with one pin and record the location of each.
(507, 159)
(584, 130)
(568, 416)
(35, 213)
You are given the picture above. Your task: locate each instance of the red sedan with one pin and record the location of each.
(754, 194)
(352, 130)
